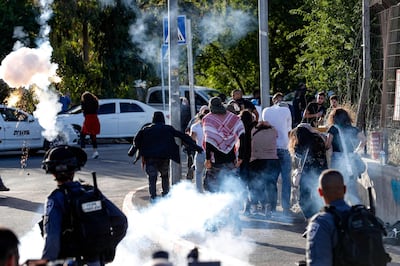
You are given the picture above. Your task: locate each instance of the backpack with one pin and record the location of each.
(360, 235)
(93, 225)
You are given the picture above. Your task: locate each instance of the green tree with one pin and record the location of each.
(93, 49)
(330, 49)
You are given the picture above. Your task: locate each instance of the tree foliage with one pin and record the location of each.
(330, 47)
(313, 41)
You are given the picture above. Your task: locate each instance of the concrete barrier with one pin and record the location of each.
(385, 183)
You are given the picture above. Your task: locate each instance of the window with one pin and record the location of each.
(107, 108)
(156, 96)
(11, 115)
(130, 108)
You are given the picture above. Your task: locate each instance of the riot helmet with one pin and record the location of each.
(64, 159)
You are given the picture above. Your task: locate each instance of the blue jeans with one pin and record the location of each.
(285, 162)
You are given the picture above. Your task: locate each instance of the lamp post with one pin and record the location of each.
(263, 52)
(174, 101)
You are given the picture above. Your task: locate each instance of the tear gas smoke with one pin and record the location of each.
(177, 223)
(212, 26)
(235, 22)
(139, 32)
(26, 67)
(182, 215)
(22, 37)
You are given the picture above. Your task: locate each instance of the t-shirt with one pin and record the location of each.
(314, 108)
(198, 130)
(350, 135)
(280, 118)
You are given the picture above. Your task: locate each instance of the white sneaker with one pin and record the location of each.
(95, 155)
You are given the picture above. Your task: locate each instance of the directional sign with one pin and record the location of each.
(181, 30)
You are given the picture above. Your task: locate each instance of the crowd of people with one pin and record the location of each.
(230, 140)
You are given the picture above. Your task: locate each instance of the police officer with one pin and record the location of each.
(62, 162)
(9, 255)
(321, 231)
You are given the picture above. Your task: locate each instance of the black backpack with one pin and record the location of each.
(93, 226)
(360, 235)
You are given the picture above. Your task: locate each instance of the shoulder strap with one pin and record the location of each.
(338, 217)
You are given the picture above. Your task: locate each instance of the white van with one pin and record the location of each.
(154, 95)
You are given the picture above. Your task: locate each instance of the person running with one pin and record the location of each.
(222, 131)
(280, 118)
(91, 124)
(345, 139)
(157, 146)
(307, 148)
(196, 132)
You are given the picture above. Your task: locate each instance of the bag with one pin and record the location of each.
(132, 150)
(357, 165)
(296, 174)
(360, 236)
(94, 225)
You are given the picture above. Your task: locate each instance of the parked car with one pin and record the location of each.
(154, 96)
(119, 118)
(19, 129)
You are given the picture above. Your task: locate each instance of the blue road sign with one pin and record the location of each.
(181, 29)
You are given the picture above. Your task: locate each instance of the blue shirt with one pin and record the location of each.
(322, 236)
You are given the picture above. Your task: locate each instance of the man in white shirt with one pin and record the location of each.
(280, 118)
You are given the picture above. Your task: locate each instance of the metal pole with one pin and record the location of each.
(264, 52)
(174, 101)
(364, 93)
(190, 67)
(162, 80)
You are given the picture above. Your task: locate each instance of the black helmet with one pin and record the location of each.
(64, 158)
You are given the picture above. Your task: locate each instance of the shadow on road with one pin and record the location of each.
(21, 204)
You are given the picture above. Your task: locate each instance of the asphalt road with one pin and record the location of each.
(22, 206)
(274, 241)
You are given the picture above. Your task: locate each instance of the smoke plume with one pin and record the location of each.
(32, 67)
(175, 224)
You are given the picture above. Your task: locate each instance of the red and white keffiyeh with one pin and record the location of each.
(222, 130)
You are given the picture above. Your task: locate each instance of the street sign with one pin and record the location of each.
(181, 29)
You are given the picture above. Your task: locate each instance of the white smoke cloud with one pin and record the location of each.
(149, 46)
(237, 22)
(27, 66)
(179, 222)
(175, 224)
(32, 67)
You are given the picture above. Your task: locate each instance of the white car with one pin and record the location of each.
(19, 130)
(119, 118)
